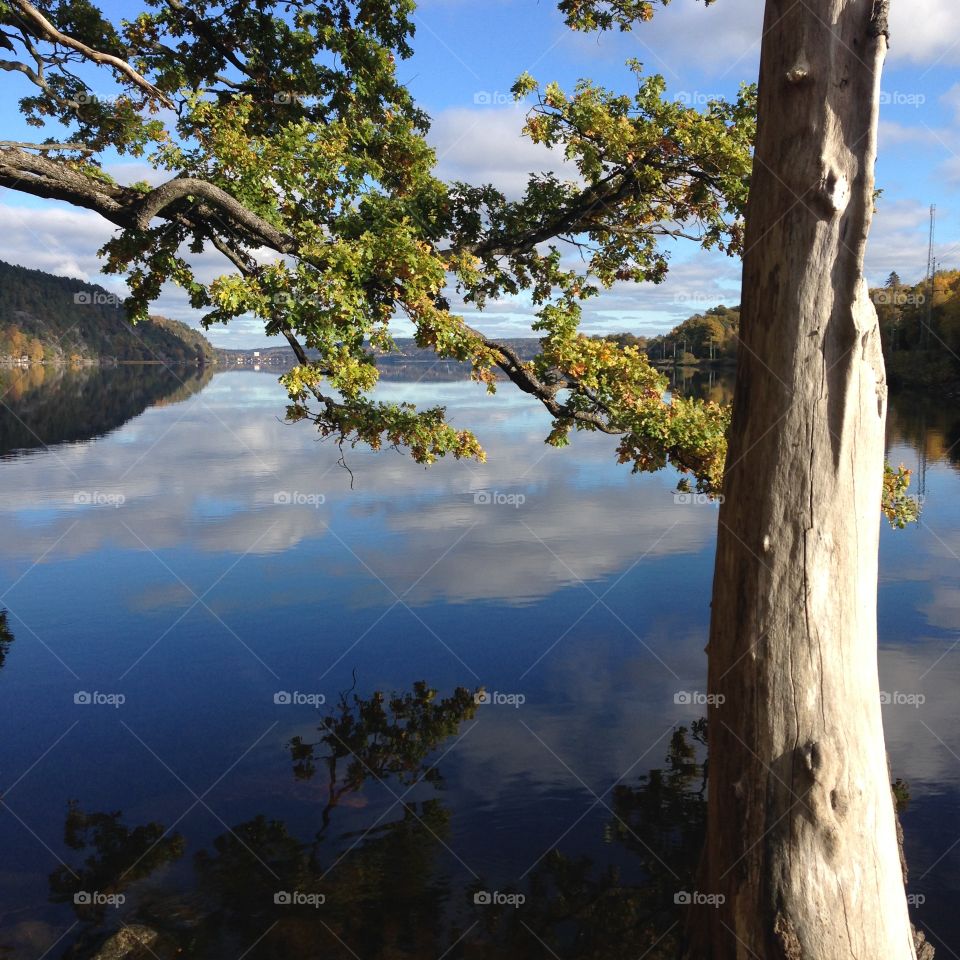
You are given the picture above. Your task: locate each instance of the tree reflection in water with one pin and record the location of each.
(383, 893)
(46, 405)
(6, 637)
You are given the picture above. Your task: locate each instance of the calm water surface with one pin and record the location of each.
(203, 579)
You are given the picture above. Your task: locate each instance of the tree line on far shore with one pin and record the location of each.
(919, 329)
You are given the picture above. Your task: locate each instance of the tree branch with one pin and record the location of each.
(617, 187)
(180, 187)
(37, 80)
(210, 33)
(127, 208)
(49, 32)
(47, 146)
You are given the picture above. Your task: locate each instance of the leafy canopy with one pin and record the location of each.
(285, 141)
(288, 143)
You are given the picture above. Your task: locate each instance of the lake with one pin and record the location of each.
(203, 604)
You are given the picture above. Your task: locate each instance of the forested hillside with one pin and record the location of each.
(920, 327)
(45, 317)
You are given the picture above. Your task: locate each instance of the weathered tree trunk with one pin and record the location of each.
(802, 841)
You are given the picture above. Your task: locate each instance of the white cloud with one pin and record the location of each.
(724, 39)
(925, 32)
(485, 145)
(54, 238)
(952, 100)
(132, 171)
(894, 134)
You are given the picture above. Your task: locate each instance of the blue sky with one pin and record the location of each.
(468, 55)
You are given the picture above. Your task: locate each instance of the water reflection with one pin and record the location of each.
(6, 637)
(705, 383)
(239, 563)
(43, 406)
(393, 889)
(928, 426)
(213, 483)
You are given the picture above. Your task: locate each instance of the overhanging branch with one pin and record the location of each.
(45, 29)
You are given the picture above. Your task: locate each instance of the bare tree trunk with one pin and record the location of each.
(802, 844)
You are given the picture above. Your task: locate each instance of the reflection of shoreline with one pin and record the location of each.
(389, 370)
(6, 363)
(46, 405)
(926, 424)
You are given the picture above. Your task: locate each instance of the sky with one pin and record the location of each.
(467, 55)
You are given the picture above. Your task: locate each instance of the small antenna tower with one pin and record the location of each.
(931, 272)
